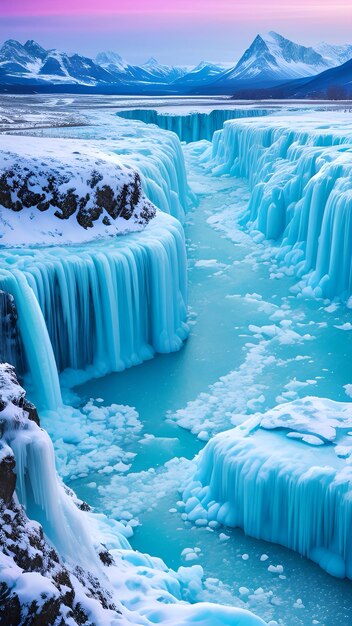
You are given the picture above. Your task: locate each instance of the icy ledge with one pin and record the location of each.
(300, 172)
(292, 486)
(53, 566)
(191, 125)
(101, 307)
(156, 155)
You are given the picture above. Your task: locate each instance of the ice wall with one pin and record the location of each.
(192, 126)
(285, 477)
(105, 306)
(300, 173)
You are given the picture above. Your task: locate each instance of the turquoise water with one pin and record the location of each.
(222, 270)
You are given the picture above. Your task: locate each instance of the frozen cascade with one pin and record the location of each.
(300, 174)
(109, 304)
(192, 126)
(291, 486)
(77, 535)
(37, 486)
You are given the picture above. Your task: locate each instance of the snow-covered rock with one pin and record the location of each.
(54, 568)
(45, 183)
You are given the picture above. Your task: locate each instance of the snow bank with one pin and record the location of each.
(300, 172)
(284, 476)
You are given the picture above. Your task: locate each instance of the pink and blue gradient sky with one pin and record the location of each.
(175, 31)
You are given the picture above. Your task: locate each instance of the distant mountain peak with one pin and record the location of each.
(152, 62)
(272, 58)
(34, 48)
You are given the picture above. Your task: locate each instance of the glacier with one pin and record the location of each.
(191, 126)
(110, 303)
(283, 476)
(299, 171)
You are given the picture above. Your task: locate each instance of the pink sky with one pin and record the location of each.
(211, 8)
(178, 31)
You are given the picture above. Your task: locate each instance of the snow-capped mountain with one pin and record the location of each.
(335, 54)
(162, 73)
(333, 84)
(202, 74)
(112, 62)
(271, 59)
(30, 63)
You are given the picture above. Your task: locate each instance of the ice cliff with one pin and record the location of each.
(103, 304)
(193, 125)
(284, 476)
(300, 173)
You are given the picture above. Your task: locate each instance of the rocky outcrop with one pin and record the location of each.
(31, 186)
(36, 587)
(10, 343)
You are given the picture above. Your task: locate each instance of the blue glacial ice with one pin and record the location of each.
(156, 155)
(283, 476)
(299, 169)
(105, 306)
(191, 125)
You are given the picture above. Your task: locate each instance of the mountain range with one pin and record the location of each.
(272, 66)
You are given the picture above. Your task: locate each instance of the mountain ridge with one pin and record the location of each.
(270, 61)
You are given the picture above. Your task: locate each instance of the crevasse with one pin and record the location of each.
(192, 126)
(300, 174)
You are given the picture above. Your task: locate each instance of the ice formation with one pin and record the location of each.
(108, 305)
(299, 170)
(194, 125)
(284, 476)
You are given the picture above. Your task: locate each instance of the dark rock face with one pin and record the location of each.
(11, 350)
(87, 195)
(8, 478)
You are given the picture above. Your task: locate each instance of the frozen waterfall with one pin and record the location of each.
(300, 174)
(107, 305)
(192, 126)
